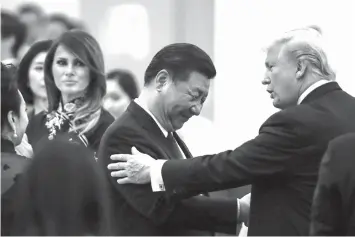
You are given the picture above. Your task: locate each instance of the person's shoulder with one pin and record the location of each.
(282, 118)
(123, 128)
(12, 165)
(300, 116)
(343, 141)
(12, 156)
(340, 154)
(36, 118)
(106, 117)
(36, 125)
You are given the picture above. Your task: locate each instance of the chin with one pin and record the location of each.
(70, 90)
(177, 126)
(277, 104)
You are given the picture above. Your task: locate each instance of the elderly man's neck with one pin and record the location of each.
(309, 80)
(148, 95)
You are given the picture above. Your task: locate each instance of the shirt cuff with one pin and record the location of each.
(238, 211)
(156, 178)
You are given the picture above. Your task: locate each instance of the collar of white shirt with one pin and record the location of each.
(310, 89)
(144, 106)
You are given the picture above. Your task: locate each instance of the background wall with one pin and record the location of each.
(130, 32)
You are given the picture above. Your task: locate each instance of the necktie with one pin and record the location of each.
(174, 147)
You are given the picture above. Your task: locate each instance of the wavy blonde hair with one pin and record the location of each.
(307, 44)
(86, 48)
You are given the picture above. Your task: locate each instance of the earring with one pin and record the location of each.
(15, 134)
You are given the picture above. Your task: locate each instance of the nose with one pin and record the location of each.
(266, 81)
(196, 109)
(69, 69)
(42, 82)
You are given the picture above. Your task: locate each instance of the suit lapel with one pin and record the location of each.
(151, 127)
(320, 91)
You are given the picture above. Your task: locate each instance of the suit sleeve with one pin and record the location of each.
(199, 212)
(326, 217)
(270, 153)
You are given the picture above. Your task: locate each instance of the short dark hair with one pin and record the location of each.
(31, 8)
(126, 80)
(10, 98)
(11, 26)
(86, 206)
(180, 59)
(24, 66)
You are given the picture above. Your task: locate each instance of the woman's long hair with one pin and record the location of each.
(24, 67)
(63, 192)
(87, 49)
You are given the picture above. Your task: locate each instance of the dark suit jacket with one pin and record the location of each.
(333, 210)
(138, 210)
(12, 166)
(281, 163)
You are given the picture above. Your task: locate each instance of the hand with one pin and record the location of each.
(133, 168)
(245, 208)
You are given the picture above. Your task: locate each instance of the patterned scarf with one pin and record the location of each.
(60, 121)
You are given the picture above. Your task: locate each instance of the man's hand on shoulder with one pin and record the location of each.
(131, 168)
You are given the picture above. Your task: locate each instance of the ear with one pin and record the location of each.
(301, 69)
(162, 79)
(11, 118)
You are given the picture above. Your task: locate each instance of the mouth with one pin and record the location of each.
(272, 94)
(69, 82)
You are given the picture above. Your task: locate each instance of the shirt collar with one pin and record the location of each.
(310, 89)
(145, 107)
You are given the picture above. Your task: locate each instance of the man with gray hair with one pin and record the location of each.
(282, 162)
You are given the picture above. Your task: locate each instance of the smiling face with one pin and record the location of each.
(71, 75)
(182, 99)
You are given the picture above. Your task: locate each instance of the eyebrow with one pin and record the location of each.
(199, 91)
(38, 62)
(61, 58)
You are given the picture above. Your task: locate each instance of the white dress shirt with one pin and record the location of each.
(310, 89)
(155, 170)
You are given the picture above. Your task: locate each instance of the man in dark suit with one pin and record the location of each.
(176, 85)
(282, 162)
(333, 209)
